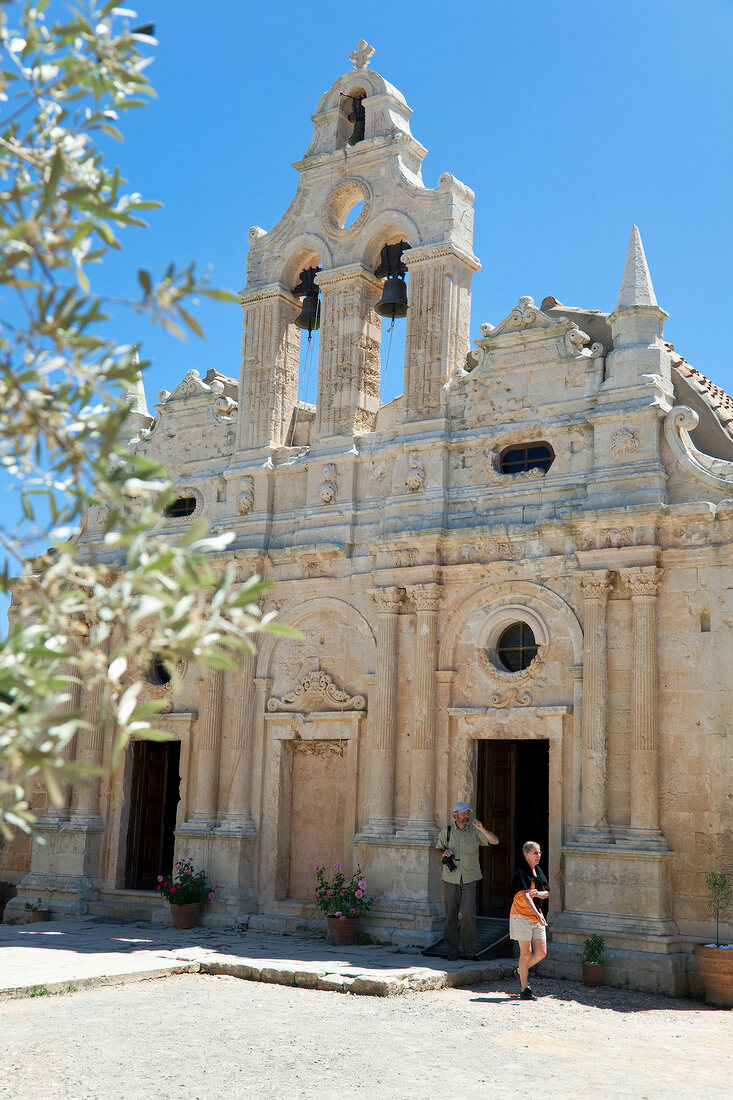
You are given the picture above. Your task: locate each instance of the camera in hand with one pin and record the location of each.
(450, 862)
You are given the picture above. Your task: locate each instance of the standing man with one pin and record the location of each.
(458, 846)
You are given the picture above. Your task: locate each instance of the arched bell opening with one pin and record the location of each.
(300, 277)
(392, 309)
(351, 122)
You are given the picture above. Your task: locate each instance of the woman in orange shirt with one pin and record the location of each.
(526, 921)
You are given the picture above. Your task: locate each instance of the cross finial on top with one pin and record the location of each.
(361, 55)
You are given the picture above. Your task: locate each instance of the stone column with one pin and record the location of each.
(208, 738)
(644, 763)
(437, 338)
(90, 750)
(237, 806)
(268, 386)
(348, 356)
(426, 598)
(388, 602)
(71, 705)
(595, 587)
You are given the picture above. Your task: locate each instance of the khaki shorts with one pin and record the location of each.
(520, 928)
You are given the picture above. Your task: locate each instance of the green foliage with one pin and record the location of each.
(40, 991)
(593, 949)
(32, 907)
(341, 897)
(719, 888)
(91, 611)
(186, 885)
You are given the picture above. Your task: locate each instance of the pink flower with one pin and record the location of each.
(212, 895)
(362, 884)
(352, 911)
(338, 914)
(216, 886)
(328, 893)
(377, 901)
(158, 886)
(342, 918)
(360, 893)
(337, 866)
(160, 878)
(316, 868)
(343, 891)
(315, 897)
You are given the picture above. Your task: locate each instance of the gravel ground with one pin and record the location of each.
(209, 1037)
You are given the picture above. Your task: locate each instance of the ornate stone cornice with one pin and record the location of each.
(428, 252)
(596, 584)
(316, 691)
(388, 601)
(643, 581)
(350, 272)
(248, 296)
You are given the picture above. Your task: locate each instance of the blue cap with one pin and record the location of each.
(461, 808)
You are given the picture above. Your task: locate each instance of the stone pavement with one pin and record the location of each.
(89, 951)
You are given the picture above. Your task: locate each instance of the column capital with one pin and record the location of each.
(425, 597)
(388, 601)
(596, 584)
(327, 279)
(643, 580)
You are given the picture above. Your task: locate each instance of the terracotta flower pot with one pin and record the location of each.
(186, 916)
(594, 973)
(342, 932)
(715, 967)
(40, 914)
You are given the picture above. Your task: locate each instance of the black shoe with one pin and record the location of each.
(452, 956)
(527, 995)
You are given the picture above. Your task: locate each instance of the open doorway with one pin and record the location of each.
(154, 797)
(512, 800)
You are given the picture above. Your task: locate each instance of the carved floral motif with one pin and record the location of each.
(415, 477)
(246, 498)
(625, 441)
(511, 697)
(643, 581)
(329, 485)
(317, 691)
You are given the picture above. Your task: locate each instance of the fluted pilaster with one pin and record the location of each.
(269, 374)
(236, 795)
(71, 705)
(207, 752)
(426, 599)
(388, 602)
(644, 586)
(90, 751)
(595, 587)
(348, 355)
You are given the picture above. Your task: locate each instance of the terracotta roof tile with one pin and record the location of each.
(719, 401)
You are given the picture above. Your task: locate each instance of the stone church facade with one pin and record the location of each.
(513, 584)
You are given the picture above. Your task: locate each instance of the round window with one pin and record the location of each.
(516, 647)
(158, 674)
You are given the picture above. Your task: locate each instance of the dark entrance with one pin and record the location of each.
(513, 801)
(154, 797)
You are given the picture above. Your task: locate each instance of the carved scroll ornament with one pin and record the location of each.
(317, 691)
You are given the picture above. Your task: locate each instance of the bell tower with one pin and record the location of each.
(408, 251)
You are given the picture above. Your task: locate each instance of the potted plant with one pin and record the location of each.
(343, 901)
(187, 893)
(714, 962)
(37, 910)
(594, 970)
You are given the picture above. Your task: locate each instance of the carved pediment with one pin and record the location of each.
(317, 691)
(525, 315)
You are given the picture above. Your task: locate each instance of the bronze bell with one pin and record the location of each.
(309, 317)
(393, 302)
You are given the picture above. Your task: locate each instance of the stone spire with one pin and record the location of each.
(135, 397)
(636, 284)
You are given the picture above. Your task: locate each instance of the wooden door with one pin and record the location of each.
(495, 807)
(154, 798)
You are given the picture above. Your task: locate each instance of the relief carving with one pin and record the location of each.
(404, 556)
(512, 697)
(415, 477)
(329, 485)
(246, 498)
(625, 441)
(316, 691)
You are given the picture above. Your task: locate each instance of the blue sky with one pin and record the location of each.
(570, 121)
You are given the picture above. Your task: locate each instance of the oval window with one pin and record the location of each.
(516, 648)
(527, 456)
(181, 506)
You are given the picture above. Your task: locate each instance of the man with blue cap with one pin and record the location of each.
(458, 846)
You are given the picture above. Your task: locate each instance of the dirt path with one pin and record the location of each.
(200, 1036)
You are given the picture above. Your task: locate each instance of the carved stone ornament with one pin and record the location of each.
(388, 601)
(489, 664)
(361, 56)
(643, 582)
(426, 597)
(329, 485)
(246, 498)
(405, 556)
(415, 476)
(596, 585)
(511, 697)
(625, 441)
(317, 691)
